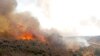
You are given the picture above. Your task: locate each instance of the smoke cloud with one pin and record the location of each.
(42, 14)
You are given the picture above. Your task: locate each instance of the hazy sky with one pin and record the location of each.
(77, 16)
(80, 17)
(23, 5)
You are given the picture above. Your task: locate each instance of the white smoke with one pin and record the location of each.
(73, 17)
(69, 17)
(83, 42)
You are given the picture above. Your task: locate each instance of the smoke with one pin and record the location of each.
(14, 23)
(77, 19)
(27, 20)
(7, 6)
(47, 22)
(79, 24)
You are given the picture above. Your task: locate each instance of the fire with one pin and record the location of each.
(26, 36)
(28, 33)
(32, 36)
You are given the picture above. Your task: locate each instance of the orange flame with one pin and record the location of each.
(26, 36)
(32, 34)
(29, 36)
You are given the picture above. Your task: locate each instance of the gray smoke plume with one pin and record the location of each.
(7, 6)
(14, 23)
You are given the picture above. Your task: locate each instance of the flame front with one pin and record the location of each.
(29, 33)
(30, 36)
(26, 36)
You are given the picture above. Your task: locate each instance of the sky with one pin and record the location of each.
(77, 17)
(23, 5)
